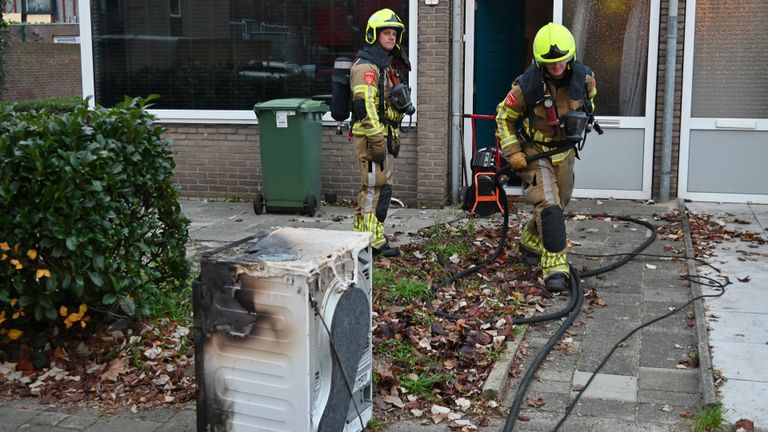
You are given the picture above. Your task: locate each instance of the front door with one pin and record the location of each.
(618, 40)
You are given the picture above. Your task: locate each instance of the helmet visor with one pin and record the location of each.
(555, 54)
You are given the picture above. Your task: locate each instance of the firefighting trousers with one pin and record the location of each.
(548, 187)
(375, 192)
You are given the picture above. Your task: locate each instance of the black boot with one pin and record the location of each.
(557, 282)
(530, 258)
(386, 251)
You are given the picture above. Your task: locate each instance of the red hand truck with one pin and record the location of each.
(483, 197)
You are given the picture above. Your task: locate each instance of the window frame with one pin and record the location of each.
(173, 14)
(221, 116)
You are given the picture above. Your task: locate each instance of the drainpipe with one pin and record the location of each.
(669, 102)
(457, 40)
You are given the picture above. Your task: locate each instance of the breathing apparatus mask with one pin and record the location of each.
(574, 125)
(401, 99)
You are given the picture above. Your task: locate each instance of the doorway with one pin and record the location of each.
(504, 30)
(617, 164)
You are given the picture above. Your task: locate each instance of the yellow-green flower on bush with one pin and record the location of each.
(74, 317)
(12, 334)
(41, 273)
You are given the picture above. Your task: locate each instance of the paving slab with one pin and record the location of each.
(746, 399)
(607, 386)
(747, 361)
(81, 419)
(668, 397)
(677, 380)
(735, 326)
(609, 409)
(665, 349)
(14, 417)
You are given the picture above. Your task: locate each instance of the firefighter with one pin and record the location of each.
(530, 120)
(376, 123)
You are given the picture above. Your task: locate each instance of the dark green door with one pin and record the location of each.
(499, 56)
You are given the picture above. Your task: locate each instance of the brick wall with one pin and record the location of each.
(434, 145)
(660, 98)
(36, 68)
(215, 161)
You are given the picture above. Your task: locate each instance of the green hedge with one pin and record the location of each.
(62, 104)
(90, 219)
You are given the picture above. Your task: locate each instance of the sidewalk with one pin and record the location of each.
(739, 319)
(642, 388)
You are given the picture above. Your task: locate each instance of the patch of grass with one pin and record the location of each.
(693, 358)
(407, 289)
(424, 383)
(175, 304)
(398, 351)
(448, 249)
(708, 419)
(375, 425)
(423, 317)
(471, 228)
(382, 278)
(233, 198)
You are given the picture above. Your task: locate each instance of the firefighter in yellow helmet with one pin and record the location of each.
(379, 101)
(531, 120)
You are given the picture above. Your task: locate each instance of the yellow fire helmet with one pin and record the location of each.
(384, 18)
(553, 43)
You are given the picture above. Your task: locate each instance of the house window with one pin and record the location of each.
(613, 39)
(176, 8)
(729, 66)
(38, 6)
(228, 55)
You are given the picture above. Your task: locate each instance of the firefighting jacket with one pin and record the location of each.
(372, 111)
(523, 107)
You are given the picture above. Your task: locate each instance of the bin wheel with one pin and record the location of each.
(311, 205)
(258, 203)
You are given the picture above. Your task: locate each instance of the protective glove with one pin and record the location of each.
(395, 150)
(377, 150)
(517, 161)
(394, 115)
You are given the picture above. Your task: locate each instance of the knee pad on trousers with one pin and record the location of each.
(382, 207)
(553, 229)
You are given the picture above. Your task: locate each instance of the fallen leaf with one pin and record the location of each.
(394, 400)
(439, 413)
(463, 403)
(666, 408)
(651, 266)
(744, 424)
(116, 368)
(744, 279)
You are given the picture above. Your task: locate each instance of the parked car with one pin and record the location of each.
(270, 69)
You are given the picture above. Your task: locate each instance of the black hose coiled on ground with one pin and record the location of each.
(572, 310)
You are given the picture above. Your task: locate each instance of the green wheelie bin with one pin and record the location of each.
(290, 137)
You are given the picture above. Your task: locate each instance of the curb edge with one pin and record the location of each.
(705, 357)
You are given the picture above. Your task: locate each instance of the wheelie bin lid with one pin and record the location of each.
(298, 104)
